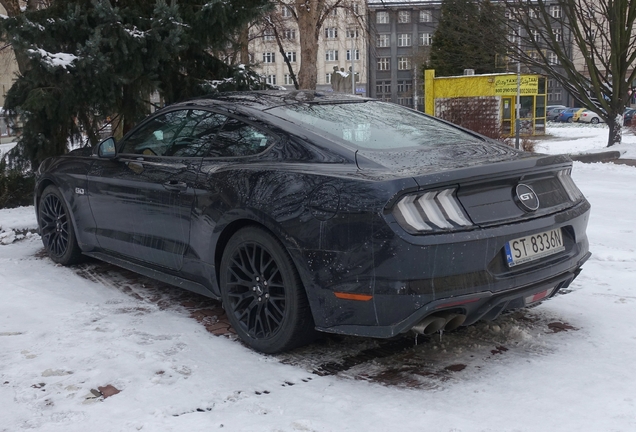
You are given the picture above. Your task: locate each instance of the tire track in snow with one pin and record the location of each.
(401, 362)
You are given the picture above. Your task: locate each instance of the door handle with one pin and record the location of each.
(174, 185)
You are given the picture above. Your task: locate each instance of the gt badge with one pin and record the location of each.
(526, 198)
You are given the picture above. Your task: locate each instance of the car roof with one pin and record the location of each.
(266, 99)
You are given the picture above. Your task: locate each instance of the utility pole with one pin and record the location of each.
(415, 87)
(517, 119)
(353, 53)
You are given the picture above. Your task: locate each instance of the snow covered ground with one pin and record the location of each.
(63, 335)
(584, 138)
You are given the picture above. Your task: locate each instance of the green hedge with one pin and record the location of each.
(16, 188)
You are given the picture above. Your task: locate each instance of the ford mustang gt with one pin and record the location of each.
(302, 211)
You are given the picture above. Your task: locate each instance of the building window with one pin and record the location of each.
(357, 54)
(333, 12)
(534, 34)
(286, 12)
(554, 96)
(328, 78)
(404, 16)
(383, 40)
(555, 11)
(289, 34)
(331, 55)
(383, 88)
(404, 86)
(405, 101)
(426, 16)
(532, 13)
(426, 39)
(512, 36)
(557, 35)
(384, 63)
(352, 33)
(550, 83)
(271, 79)
(331, 33)
(269, 57)
(288, 80)
(291, 56)
(268, 35)
(404, 63)
(553, 59)
(382, 17)
(404, 39)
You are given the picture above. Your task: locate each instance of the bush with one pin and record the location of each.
(479, 114)
(526, 143)
(16, 188)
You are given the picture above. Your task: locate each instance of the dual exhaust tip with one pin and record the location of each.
(440, 321)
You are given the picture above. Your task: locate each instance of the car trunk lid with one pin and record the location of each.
(486, 178)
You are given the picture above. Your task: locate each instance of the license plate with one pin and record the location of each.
(533, 247)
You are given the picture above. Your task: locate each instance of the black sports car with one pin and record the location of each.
(304, 211)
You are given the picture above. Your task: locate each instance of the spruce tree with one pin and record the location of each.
(468, 37)
(90, 59)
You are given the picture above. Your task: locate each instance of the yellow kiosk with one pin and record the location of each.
(500, 87)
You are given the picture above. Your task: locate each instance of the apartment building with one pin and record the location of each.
(400, 34)
(342, 45)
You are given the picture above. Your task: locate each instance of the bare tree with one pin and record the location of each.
(310, 15)
(588, 46)
(275, 26)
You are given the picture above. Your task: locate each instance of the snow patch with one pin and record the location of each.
(62, 60)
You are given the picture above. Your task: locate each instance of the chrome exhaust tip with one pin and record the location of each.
(429, 325)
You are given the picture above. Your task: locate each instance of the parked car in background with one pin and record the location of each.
(577, 114)
(589, 116)
(628, 116)
(304, 211)
(566, 116)
(549, 107)
(553, 113)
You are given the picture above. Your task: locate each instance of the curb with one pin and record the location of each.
(607, 156)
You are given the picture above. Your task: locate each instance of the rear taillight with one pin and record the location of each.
(430, 211)
(568, 184)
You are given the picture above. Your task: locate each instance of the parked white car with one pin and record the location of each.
(588, 116)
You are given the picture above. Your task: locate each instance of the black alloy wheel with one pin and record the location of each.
(56, 228)
(262, 293)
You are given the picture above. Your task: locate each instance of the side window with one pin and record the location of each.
(184, 133)
(196, 135)
(239, 139)
(156, 136)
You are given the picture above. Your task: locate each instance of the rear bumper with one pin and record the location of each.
(479, 306)
(411, 277)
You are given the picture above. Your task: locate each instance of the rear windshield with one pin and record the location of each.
(373, 125)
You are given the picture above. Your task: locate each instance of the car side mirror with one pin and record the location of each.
(107, 149)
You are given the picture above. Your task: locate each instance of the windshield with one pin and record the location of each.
(373, 125)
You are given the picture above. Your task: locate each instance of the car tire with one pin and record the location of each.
(262, 293)
(594, 121)
(570, 120)
(56, 228)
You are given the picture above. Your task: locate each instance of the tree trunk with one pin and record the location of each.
(12, 7)
(244, 41)
(308, 18)
(615, 131)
